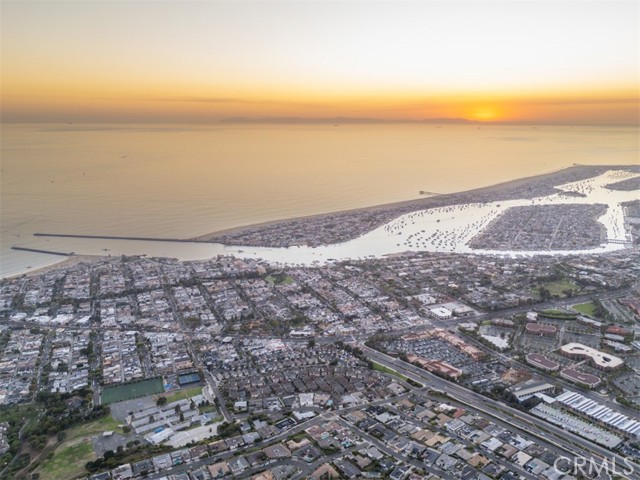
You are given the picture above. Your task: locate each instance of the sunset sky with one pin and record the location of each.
(567, 62)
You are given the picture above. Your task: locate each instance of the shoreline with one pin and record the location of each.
(418, 202)
(502, 193)
(70, 261)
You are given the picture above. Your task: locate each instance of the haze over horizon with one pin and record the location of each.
(542, 62)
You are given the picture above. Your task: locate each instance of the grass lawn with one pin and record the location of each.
(184, 393)
(208, 408)
(559, 314)
(383, 369)
(68, 461)
(103, 424)
(17, 412)
(287, 280)
(588, 308)
(559, 287)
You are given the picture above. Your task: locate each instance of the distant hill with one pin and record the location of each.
(344, 120)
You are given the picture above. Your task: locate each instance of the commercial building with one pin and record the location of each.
(540, 329)
(436, 366)
(543, 363)
(598, 359)
(600, 413)
(590, 381)
(441, 313)
(525, 390)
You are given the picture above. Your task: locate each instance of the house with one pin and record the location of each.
(219, 469)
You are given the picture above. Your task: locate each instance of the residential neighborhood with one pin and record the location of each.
(231, 367)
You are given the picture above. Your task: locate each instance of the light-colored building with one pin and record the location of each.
(598, 359)
(441, 313)
(581, 378)
(542, 362)
(525, 390)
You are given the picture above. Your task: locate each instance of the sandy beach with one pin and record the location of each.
(68, 262)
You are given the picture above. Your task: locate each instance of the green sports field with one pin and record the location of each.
(128, 391)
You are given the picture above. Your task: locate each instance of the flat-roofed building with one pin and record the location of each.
(573, 375)
(600, 413)
(525, 390)
(542, 362)
(589, 322)
(598, 359)
(618, 330)
(617, 346)
(441, 313)
(436, 366)
(540, 329)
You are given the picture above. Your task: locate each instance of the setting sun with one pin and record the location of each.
(408, 61)
(485, 114)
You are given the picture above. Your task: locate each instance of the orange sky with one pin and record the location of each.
(518, 61)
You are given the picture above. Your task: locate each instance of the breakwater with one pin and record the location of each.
(112, 237)
(48, 252)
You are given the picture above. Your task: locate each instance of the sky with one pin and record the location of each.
(518, 61)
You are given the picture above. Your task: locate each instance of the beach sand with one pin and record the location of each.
(68, 262)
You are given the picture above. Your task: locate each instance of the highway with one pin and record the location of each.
(546, 432)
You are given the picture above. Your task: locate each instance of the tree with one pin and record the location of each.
(161, 401)
(181, 417)
(311, 343)
(545, 294)
(38, 442)
(226, 430)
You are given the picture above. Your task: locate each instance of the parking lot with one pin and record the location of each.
(629, 383)
(437, 349)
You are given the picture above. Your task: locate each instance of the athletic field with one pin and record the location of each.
(128, 391)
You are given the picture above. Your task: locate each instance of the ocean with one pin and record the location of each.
(182, 181)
